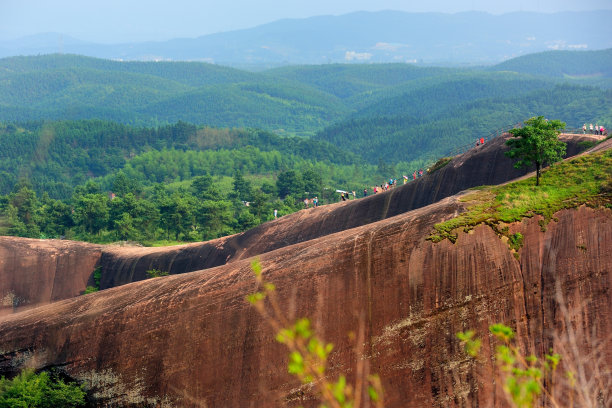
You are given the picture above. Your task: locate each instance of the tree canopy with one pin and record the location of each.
(537, 143)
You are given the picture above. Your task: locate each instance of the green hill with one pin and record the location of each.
(347, 80)
(188, 73)
(588, 67)
(416, 125)
(150, 93)
(54, 157)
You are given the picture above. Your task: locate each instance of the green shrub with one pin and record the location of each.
(30, 390)
(97, 276)
(439, 164)
(515, 241)
(155, 273)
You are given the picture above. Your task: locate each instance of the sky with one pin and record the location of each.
(116, 21)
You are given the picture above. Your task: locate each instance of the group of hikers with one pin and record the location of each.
(392, 183)
(313, 201)
(597, 130)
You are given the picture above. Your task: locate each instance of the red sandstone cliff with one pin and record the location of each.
(34, 272)
(192, 340)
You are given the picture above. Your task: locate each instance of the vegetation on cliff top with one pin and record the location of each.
(582, 180)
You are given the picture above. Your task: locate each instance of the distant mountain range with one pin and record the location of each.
(387, 36)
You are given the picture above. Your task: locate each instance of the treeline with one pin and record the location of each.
(196, 211)
(54, 157)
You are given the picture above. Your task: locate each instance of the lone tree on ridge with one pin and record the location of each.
(537, 143)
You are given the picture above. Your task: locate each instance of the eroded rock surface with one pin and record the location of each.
(34, 272)
(192, 340)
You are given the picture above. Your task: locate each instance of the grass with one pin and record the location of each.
(439, 164)
(582, 180)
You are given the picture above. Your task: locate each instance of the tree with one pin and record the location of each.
(242, 187)
(91, 212)
(290, 183)
(537, 143)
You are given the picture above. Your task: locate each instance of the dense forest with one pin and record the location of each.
(411, 126)
(103, 181)
(300, 100)
(104, 150)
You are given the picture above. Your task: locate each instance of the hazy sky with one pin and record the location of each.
(111, 21)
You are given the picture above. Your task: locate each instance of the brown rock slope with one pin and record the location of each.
(192, 340)
(35, 271)
(34, 279)
(484, 165)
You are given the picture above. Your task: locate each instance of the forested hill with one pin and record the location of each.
(152, 93)
(54, 157)
(414, 125)
(347, 80)
(586, 65)
(399, 112)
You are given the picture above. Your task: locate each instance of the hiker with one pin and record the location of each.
(590, 128)
(482, 140)
(602, 130)
(405, 179)
(584, 129)
(420, 172)
(275, 214)
(365, 192)
(414, 175)
(306, 203)
(354, 195)
(596, 129)
(315, 202)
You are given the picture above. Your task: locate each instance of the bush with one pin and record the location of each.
(156, 273)
(30, 390)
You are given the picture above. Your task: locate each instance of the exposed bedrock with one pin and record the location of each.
(192, 339)
(34, 272)
(485, 165)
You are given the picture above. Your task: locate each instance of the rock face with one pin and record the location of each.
(484, 165)
(192, 340)
(34, 272)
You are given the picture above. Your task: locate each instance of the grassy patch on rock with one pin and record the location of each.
(439, 164)
(582, 180)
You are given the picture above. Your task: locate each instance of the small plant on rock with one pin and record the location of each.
(156, 273)
(308, 354)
